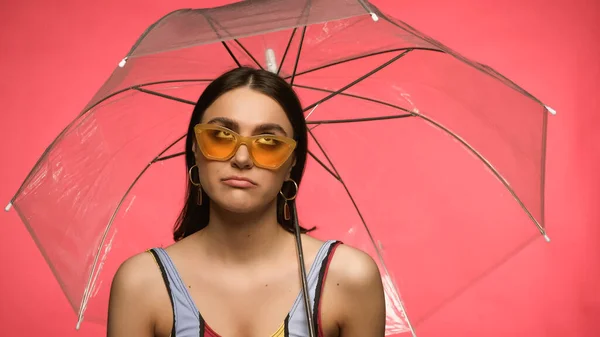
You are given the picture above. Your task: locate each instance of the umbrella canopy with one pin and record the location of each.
(414, 149)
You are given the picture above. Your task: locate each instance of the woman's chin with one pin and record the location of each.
(241, 205)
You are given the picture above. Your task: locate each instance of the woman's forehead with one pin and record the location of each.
(249, 109)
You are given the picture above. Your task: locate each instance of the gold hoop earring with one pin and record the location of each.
(197, 184)
(190, 176)
(286, 207)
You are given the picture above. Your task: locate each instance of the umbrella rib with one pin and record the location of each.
(387, 51)
(358, 120)
(155, 93)
(231, 54)
(353, 96)
(248, 53)
(287, 48)
(324, 166)
(178, 154)
(90, 282)
(148, 30)
(170, 81)
(333, 94)
(543, 169)
(298, 56)
(363, 119)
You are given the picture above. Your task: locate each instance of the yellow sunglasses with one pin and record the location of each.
(220, 143)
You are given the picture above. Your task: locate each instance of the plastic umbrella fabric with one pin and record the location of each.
(430, 162)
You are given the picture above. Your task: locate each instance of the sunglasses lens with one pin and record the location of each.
(216, 144)
(270, 152)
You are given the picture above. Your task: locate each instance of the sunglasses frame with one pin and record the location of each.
(242, 140)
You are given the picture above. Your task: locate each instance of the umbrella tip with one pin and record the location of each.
(374, 17)
(546, 238)
(123, 62)
(8, 207)
(79, 321)
(550, 110)
(271, 62)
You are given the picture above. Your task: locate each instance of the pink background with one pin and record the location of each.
(55, 55)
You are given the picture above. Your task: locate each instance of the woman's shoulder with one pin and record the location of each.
(355, 283)
(354, 269)
(136, 275)
(351, 265)
(137, 296)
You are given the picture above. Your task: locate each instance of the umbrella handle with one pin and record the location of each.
(309, 316)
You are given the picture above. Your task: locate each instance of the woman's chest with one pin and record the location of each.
(228, 305)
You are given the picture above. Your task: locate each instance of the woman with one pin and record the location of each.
(233, 270)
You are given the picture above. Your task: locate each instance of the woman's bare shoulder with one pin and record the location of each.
(138, 269)
(355, 280)
(354, 267)
(135, 297)
(137, 277)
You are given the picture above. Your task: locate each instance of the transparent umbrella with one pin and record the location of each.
(430, 162)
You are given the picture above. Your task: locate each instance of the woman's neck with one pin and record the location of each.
(240, 238)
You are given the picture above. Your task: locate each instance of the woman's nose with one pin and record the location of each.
(242, 159)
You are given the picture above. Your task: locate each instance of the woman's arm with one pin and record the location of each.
(362, 307)
(130, 306)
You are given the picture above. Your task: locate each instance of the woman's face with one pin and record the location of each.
(238, 185)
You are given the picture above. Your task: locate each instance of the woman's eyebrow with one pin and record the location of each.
(235, 126)
(269, 127)
(226, 122)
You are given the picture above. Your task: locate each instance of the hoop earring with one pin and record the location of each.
(286, 208)
(197, 184)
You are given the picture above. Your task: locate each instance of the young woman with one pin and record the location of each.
(234, 269)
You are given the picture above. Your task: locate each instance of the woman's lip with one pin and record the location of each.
(239, 182)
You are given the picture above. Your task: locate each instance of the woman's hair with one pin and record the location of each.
(194, 217)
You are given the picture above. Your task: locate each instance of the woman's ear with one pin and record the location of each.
(289, 173)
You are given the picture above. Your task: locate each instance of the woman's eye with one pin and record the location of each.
(224, 134)
(267, 141)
